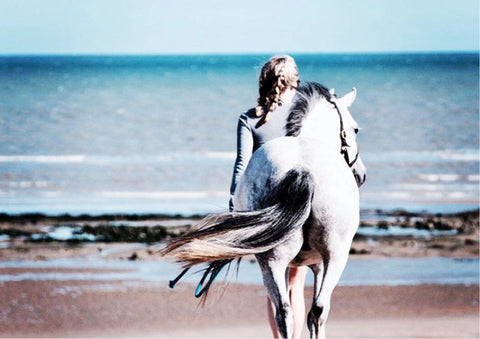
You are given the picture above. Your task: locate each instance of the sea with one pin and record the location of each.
(157, 134)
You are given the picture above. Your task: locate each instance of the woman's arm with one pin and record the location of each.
(244, 153)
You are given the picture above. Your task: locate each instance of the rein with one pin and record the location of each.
(343, 138)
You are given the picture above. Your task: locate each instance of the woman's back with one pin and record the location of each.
(263, 132)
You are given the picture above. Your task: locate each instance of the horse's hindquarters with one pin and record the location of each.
(266, 169)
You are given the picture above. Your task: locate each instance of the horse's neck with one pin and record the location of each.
(322, 123)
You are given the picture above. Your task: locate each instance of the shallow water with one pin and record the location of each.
(381, 271)
(373, 231)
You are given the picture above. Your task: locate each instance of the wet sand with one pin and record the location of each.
(113, 309)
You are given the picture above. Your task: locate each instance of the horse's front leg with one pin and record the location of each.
(274, 278)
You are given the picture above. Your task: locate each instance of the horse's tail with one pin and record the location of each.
(222, 237)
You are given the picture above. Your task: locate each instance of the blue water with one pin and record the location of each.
(157, 134)
(381, 271)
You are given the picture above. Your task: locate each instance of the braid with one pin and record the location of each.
(276, 75)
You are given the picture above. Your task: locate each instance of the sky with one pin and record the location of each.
(233, 27)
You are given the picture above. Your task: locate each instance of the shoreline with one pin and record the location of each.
(38, 215)
(396, 233)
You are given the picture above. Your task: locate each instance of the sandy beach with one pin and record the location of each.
(92, 309)
(78, 307)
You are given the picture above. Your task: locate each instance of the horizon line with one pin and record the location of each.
(115, 54)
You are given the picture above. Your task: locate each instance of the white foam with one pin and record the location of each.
(221, 155)
(104, 159)
(473, 177)
(43, 158)
(28, 184)
(447, 155)
(457, 195)
(431, 194)
(459, 155)
(436, 187)
(440, 177)
(51, 194)
(164, 194)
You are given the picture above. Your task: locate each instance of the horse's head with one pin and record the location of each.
(348, 135)
(318, 113)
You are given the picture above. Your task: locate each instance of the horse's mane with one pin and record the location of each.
(300, 108)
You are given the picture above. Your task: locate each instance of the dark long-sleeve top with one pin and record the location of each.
(252, 133)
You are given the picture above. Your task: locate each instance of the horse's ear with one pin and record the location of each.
(349, 98)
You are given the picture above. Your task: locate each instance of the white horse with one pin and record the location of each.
(296, 204)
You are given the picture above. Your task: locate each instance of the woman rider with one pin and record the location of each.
(278, 82)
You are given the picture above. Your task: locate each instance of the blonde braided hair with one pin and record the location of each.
(276, 76)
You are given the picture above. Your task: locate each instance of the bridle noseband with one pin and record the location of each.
(343, 138)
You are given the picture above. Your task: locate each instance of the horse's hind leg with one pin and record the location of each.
(316, 310)
(326, 277)
(275, 282)
(274, 279)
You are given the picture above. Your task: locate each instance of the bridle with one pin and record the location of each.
(343, 137)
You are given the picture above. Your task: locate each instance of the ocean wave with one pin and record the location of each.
(119, 159)
(423, 156)
(418, 196)
(426, 156)
(427, 187)
(128, 159)
(449, 177)
(26, 184)
(164, 194)
(459, 155)
(43, 158)
(221, 155)
(440, 177)
(85, 159)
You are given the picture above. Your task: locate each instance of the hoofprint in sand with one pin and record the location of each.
(98, 300)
